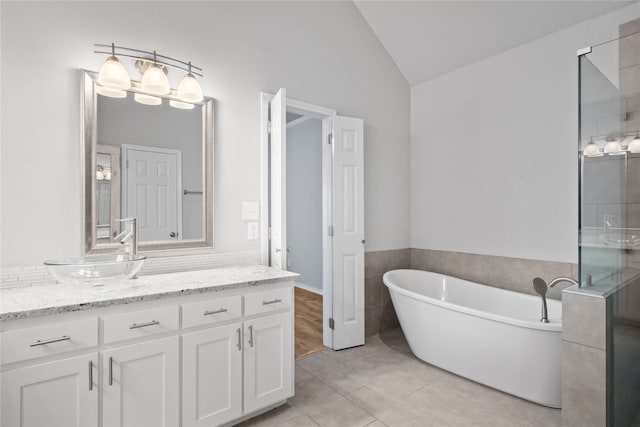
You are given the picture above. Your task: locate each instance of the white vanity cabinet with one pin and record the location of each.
(62, 393)
(207, 359)
(140, 384)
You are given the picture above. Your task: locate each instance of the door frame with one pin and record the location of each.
(125, 177)
(326, 115)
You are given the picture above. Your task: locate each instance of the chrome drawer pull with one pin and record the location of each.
(110, 370)
(52, 340)
(222, 310)
(271, 302)
(90, 375)
(250, 335)
(239, 339)
(142, 325)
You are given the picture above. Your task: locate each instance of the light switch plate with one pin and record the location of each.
(250, 211)
(252, 231)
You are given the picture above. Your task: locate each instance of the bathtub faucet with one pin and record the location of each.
(562, 279)
(540, 286)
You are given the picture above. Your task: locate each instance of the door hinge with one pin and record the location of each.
(269, 126)
(332, 323)
(329, 138)
(331, 230)
(269, 233)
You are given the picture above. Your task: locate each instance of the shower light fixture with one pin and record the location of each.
(113, 79)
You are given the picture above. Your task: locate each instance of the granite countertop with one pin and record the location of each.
(43, 300)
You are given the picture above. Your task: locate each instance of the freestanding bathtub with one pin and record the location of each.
(489, 335)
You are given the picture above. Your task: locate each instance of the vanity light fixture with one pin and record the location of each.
(613, 148)
(634, 145)
(112, 76)
(592, 149)
(113, 80)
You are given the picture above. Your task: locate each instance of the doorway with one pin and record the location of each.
(304, 227)
(342, 217)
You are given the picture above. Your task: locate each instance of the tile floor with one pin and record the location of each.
(383, 384)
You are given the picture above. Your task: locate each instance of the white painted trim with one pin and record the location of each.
(125, 184)
(264, 178)
(298, 121)
(309, 288)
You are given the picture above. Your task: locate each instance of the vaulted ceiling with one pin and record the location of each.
(430, 38)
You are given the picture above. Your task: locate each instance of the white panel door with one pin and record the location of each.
(278, 143)
(268, 361)
(54, 394)
(212, 376)
(151, 191)
(348, 239)
(141, 385)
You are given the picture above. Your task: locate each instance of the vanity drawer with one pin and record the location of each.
(38, 341)
(141, 323)
(211, 311)
(268, 301)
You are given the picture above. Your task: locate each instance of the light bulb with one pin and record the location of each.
(613, 148)
(592, 150)
(111, 92)
(107, 175)
(634, 145)
(189, 89)
(155, 81)
(113, 75)
(99, 175)
(147, 99)
(181, 105)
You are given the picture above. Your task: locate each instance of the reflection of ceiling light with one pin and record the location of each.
(147, 99)
(181, 105)
(112, 74)
(634, 145)
(99, 175)
(592, 150)
(111, 92)
(613, 148)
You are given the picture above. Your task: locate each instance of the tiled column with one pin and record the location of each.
(585, 335)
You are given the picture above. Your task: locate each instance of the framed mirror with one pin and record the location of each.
(151, 162)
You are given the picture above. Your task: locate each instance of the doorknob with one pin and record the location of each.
(278, 249)
(173, 234)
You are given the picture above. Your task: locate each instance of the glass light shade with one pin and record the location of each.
(592, 150)
(613, 148)
(113, 75)
(99, 175)
(111, 92)
(155, 81)
(634, 146)
(181, 105)
(189, 89)
(107, 175)
(147, 99)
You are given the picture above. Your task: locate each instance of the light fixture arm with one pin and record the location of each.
(146, 55)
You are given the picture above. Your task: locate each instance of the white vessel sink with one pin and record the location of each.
(95, 270)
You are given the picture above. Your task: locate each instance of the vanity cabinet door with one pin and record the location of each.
(141, 384)
(268, 361)
(63, 393)
(212, 376)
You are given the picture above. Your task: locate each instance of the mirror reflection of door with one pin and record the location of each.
(151, 191)
(107, 191)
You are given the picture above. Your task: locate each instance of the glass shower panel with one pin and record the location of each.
(604, 231)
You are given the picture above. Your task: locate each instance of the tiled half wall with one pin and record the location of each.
(515, 274)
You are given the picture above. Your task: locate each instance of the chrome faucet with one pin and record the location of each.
(129, 235)
(540, 286)
(562, 279)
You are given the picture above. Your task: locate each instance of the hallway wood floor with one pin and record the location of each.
(308, 317)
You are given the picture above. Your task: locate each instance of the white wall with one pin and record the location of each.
(304, 201)
(494, 149)
(322, 52)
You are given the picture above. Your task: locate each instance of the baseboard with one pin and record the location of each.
(308, 288)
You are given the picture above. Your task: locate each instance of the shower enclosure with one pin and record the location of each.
(609, 250)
